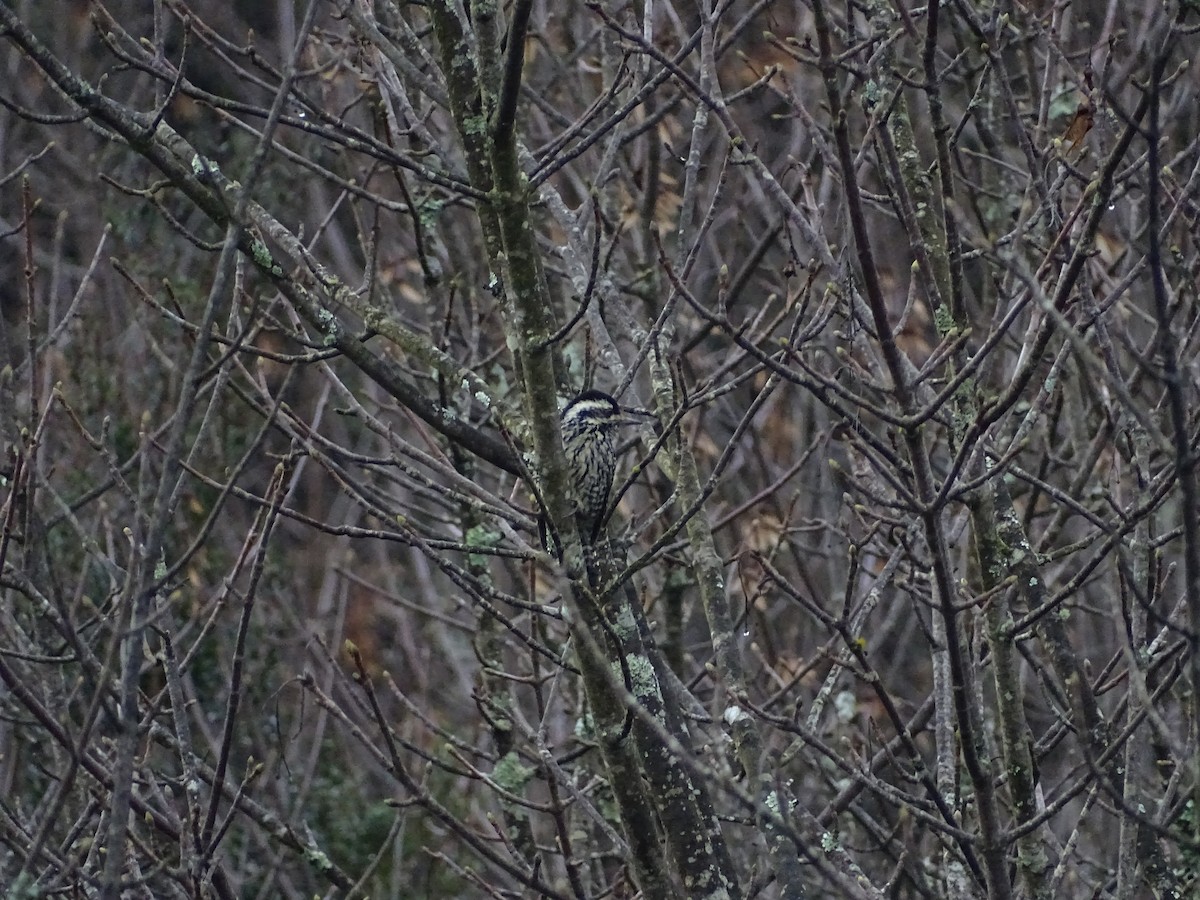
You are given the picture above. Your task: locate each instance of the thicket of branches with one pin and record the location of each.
(901, 592)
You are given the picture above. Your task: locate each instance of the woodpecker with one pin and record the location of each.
(589, 429)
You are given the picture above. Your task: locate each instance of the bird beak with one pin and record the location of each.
(632, 416)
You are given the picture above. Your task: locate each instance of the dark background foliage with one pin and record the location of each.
(902, 589)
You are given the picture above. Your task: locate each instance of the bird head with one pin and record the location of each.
(593, 409)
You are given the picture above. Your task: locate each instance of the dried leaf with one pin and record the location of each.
(1080, 125)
